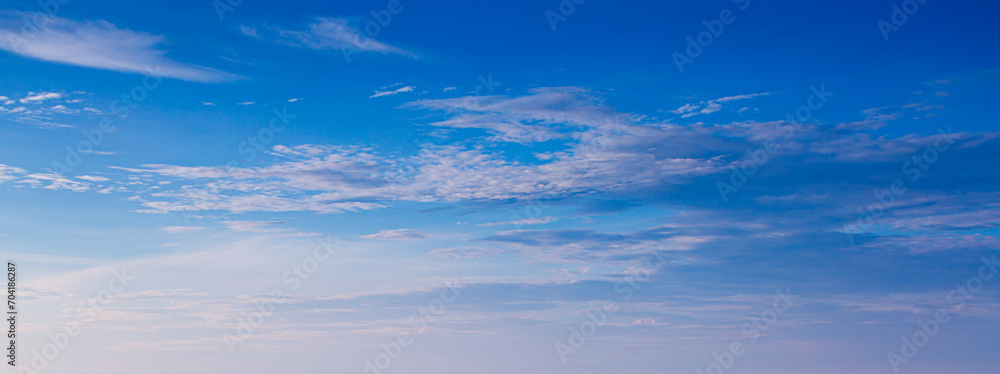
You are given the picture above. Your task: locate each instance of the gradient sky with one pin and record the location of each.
(546, 159)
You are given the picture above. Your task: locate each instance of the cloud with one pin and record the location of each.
(53, 181)
(335, 179)
(522, 222)
(9, 173)
(712, 106)
(325, 33)
(922, 107)
(93, 178)
(929, 243)
(536, 117)
(42, 96)
(47, 110)
(592, 246)
(740, 97)
(874, 119)
(468, 253)
(245, 103)
(393, 92)
(254, 226)
(400, 234)
(98, 45)
(182, 229)
(100, 153)
(608, 163)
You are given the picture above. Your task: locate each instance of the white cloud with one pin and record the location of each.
(99, 45)
(253, 226)
(249, 31)
(53, 181)
(874, 119)
(99, 153)
(93, 178)
(266, 227)
(41, 96)
(181, 229)
(7, 173)
(400, 234)
(712, 106)
(326, 34)
(245, 103)
(600, 155)
(46, 110)
(469, 253)
(740, 97)
(536, 117)
(523, 222)
(335, 179)
(393, 92)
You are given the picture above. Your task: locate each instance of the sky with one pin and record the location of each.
(724, 186)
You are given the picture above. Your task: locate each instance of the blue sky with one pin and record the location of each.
(545, 157)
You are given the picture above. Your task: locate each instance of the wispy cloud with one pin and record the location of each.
(392, 92)
(182, 229)
(265, 227)
(536, 117)
(875, 118)
(47, 110)
(99, 153)
(93, 178)
(253, 226)
(41, 96)
(400, 234)
(99, 45)
(325, 33)
(523, 222)
(712, 106)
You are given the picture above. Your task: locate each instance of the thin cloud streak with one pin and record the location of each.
(99, 45)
